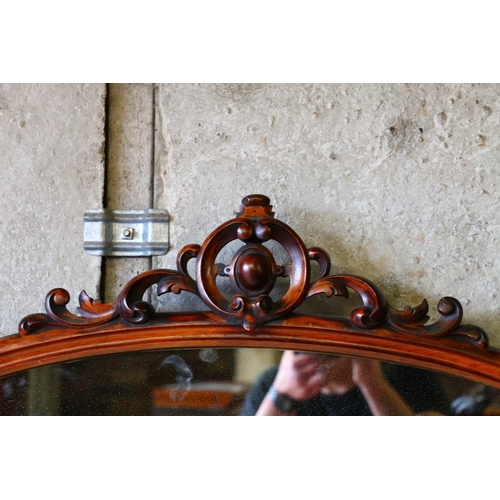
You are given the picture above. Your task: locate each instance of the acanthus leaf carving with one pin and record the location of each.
(374, 304)
(409, 316)
(129, 304)
(322, 258)
(413, 320)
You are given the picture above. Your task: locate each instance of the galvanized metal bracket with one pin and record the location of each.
(125, 233)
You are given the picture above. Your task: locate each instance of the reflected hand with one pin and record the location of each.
(366, 372)
(300, 375)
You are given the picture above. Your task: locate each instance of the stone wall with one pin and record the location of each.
(52, 170)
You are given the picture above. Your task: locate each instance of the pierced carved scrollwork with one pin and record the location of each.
(128, 304)
(253, 274)
(413, 320)
(374, 303)
(253, 270)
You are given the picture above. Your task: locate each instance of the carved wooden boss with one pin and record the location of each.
(249, 316)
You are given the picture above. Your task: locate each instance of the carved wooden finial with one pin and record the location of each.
(255, 205)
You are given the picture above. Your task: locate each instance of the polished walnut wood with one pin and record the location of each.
(249, 316)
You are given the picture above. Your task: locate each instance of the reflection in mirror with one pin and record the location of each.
(239, 382)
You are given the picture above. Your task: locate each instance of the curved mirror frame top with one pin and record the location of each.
(260, 310)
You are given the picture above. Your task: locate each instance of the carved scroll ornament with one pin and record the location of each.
(253, 274)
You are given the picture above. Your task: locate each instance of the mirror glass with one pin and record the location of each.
(237, 382)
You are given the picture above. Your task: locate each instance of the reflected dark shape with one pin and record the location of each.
(183, 378)
(12, 386)
(14, 392)
(209, 382)
(119, 384)
(209, 355)
(480, 400)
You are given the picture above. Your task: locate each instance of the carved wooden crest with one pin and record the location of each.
(253, 274)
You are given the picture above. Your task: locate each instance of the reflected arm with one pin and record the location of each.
(267, 408)
(298, 379)
(381, 397)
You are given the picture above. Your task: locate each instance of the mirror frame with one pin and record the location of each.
(249, 317)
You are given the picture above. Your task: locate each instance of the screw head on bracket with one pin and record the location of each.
(127, 233)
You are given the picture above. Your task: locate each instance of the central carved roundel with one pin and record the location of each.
(253, 270)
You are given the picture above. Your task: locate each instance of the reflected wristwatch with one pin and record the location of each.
(282, 402)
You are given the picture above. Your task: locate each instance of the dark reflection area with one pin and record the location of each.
(14, 392)
(121, 384)
(229, 382)
(478, 400)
